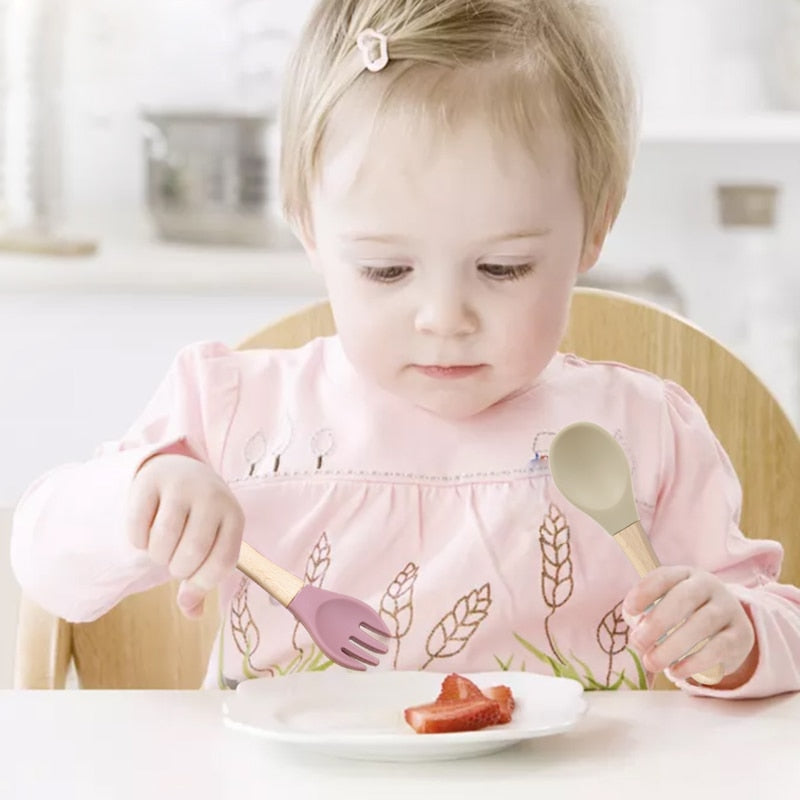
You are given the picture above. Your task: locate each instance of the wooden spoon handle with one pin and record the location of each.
(282, 585)
(636, 545)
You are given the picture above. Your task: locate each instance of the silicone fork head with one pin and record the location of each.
(343, 627)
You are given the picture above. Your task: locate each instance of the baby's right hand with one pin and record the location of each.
(187, 519)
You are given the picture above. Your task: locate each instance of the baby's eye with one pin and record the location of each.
(385, 274)
(506, 272)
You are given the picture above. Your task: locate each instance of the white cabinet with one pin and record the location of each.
(81, 358)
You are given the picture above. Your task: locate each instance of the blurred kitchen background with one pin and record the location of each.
(138, 197)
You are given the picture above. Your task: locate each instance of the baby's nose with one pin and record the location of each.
(446, 315)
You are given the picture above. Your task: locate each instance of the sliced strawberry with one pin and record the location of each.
(457, 687)
(453, 715)
(503, 697)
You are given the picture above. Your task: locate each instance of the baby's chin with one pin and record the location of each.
(452, 412)
(458, 409)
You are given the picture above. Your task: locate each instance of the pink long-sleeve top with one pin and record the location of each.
(454, 530)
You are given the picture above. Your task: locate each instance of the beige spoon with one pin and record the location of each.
(590, 469)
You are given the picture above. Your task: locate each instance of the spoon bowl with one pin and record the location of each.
(590, 468)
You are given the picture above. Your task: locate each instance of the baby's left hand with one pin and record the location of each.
(699, 607)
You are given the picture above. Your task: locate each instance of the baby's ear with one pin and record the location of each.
(590, 255)
(594, 245)
(304, 232)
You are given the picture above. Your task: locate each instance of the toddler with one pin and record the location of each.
(451, 167)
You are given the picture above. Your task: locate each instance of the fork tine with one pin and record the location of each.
(368, 643)
(363, 658)
(348, 662)
(376, 626)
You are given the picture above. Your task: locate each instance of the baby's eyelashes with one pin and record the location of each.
(385, 274)
(506, 272)
(498, 272)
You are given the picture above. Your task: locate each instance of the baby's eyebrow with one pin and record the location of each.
(392, 238)
(536, 233)
(375, 238)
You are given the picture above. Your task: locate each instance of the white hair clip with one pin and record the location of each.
(374, 49)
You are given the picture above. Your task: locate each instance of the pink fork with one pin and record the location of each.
(342, 626)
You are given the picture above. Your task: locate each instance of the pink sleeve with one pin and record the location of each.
(69, 550)
(697, 523)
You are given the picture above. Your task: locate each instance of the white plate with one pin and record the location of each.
(360, 716)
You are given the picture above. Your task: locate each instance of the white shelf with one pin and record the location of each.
(153, 266)
(757, 128)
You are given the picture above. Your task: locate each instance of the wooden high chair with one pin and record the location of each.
(145, 642)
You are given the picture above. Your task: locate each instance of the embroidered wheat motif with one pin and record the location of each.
(318, 561)
(316, 568)
(397, 605)
(556, 580)
(451, 634)
(612, 636)
(245, 632)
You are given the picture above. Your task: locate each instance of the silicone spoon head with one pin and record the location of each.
(590, 469)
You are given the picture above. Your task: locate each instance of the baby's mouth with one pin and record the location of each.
(448, 371)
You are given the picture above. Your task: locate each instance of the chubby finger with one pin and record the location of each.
(652, 588)
(713, 658)
(669, 613)
(195, 544)
(191, 600)
(143, 502)
(222, 559)
(166, 530)
(693, 634)
(733, 650)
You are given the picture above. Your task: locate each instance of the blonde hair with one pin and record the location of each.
(537, 52)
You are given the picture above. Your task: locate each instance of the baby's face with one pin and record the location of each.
(449, 264)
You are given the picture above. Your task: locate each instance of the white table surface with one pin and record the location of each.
(117, 745)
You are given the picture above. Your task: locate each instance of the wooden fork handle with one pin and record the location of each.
(282, 585)
(636, 545)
